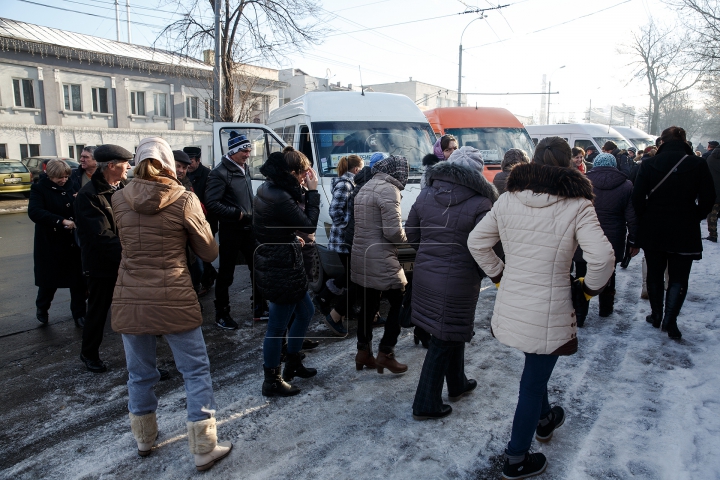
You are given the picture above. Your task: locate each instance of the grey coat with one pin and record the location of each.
(446, 279)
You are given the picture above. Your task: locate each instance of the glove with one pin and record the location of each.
(582, 282)
(497, 285)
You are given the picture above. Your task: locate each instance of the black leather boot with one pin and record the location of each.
(295, 368)
(676, 294)
(655, 295)
(607, 302)
(274, 385)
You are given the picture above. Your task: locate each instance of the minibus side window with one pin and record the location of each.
(583, 143)
(305, 145)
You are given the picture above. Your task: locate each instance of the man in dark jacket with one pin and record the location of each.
(229, 197)
(198, 175)
(100, 245)
(590, 154)
(713, 162)
(624, 164)
(82, 175)
(712, 145)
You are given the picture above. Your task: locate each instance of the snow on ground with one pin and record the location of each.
(638, 405)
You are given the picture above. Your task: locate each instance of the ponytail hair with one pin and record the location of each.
(553, 151)
(348, 163)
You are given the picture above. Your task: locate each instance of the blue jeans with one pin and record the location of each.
(280, 314)
(191, 361)
(532, 402)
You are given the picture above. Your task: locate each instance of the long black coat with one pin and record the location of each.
(278, 262)
(669, 221)
(228, 193)
(56, 255)
(99, 242)
(713, 162)
(613, 205)
(199, 181)
(446, 279)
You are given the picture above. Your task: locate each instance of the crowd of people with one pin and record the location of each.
(556, 225)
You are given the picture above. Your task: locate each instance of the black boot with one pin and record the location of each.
(295, 368)
(607, 302)
(223, 318)
(323, 300)
(655, 295)
(42, 316)
(274, 385)
(676, 294)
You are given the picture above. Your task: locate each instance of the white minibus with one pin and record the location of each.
(636, 137)
(578, 134)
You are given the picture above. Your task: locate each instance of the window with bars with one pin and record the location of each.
(137, 103)
(191, 107)
(160, 100)
(72, 98)
(29, 150)
(24, 92)
(100, 100)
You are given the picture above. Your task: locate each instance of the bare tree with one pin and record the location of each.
(702, 18)
(665, 62)
(251, 31)
(678, 109)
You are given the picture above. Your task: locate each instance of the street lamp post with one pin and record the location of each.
(549, 90)
(459, 101)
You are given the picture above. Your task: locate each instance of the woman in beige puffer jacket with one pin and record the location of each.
(156, 219)
(545, 214)
(374, 264)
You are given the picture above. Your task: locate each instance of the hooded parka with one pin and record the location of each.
(156, 221)
(546, 212)
(446, 279)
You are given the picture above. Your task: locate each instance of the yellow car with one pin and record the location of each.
(14, 177)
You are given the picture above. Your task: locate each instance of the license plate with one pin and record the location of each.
(408, 266)
(12, 180)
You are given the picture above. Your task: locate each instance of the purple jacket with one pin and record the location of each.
(613, 205)
(446, 279)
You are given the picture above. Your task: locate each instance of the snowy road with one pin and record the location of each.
(639, 405)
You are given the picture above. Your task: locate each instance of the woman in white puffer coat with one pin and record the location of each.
(546, 212)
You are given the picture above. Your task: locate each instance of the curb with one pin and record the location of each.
(10, 211)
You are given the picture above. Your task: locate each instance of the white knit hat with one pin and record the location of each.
(469, 157)
(157, 148)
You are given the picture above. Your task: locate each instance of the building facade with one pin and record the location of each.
(425, 95)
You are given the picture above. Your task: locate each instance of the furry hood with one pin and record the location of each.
(277, 170)
(430, 159)
(461, 175)
(559, 181)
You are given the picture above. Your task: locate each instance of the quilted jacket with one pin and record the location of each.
(342, 188)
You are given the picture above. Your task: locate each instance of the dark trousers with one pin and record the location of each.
(233, 239)
(370, 302)
(678, 267)
(78, 292)
(344, 302)
(533, 401)
(100, 293)
(209, 274)
(580, 269)
(444, 361)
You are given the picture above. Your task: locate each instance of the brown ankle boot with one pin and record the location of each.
(387, 360)
(364, 357)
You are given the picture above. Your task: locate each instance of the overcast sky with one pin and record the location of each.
(509, 51)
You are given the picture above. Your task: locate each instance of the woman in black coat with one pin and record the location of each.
(278, 268)
(55, 252)
(669, 222)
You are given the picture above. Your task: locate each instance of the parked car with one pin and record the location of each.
(14, 177)
(37, 165)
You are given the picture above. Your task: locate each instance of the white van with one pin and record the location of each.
(579, 134)
(636, 137)
(326, 126)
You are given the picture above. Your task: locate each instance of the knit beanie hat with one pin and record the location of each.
(157, 148)
(376, 157)
(605, 160)
(396, 166)
(469, 157)
(237, 142)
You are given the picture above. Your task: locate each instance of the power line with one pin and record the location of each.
(86, 13)
(110, 8)
(137, 7)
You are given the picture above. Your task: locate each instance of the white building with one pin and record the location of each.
(425, 95)
(300, 83)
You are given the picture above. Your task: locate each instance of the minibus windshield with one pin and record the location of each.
(642, 143)
(493, 142)
(620, 142)
(334, 140)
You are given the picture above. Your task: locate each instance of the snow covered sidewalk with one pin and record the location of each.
(638, 405)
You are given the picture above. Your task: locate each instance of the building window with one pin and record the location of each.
(24, 93)
(100, 100)
(425, 100)
(29, 150)
(75, 151)
(160, 100)
(191, 107)
(72, 98)
(137, 103)
(3, 150)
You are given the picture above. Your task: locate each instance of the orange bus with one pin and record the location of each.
(493, 131)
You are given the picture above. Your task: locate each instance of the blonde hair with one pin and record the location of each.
(348, 163)
(57, 168)
(150, 169)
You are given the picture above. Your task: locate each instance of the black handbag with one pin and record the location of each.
(581, 306)
(406, 307)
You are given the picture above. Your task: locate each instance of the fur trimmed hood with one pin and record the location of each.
(559, 181)
(461, 175)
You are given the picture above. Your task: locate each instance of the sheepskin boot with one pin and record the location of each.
(144, 429)
(202, 437)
